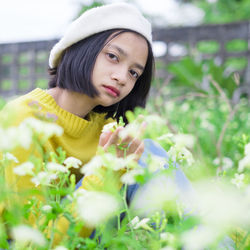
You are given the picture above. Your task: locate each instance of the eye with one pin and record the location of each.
(112, 56)
(134, 74)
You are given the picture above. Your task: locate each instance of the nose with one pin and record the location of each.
(120, 76)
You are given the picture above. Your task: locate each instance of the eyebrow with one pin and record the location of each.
(121, 51)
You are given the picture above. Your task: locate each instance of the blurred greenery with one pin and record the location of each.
(224, 11)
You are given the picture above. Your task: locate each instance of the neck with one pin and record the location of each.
(76, 103)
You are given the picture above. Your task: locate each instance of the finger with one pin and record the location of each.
(114, 138)
(134, 144)
(104, 137)
(142, 129)
(139, 151)
(125, 142)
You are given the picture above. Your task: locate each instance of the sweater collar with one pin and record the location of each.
(73, 125)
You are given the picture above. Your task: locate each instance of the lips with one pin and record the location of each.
(112, 90)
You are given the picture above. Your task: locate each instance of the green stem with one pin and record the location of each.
(127, 210)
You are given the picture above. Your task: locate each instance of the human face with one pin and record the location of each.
(118, 66)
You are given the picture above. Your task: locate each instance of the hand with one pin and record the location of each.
(129, 145)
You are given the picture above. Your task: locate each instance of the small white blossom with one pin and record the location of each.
(10, 157)
(109, 127)
(226, 162)
(165, 137)
(43, 178)
(168, 248)
(167, 237)
(130, 130)
(72, 162)
(25, 136)
(92, 166)
(244, 163)
(134, 221)
(142, 224)
(153, 195)
(118, 163)
(154, 119)
(110, 161)
(221, 206)
(238, 180)
(46, 208)
(211, 1)
(55, 167)
(61, 248)
(180, 154)
(247, 149)
(47, 129)
(184, 140)
(199, 238)
(95, 208)
(24, 169)
(207, 125)
(24, 234)
(156, 163)
(129, 177)
(15, 136)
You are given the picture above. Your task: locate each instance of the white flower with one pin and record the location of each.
(95, 208)
(15, 136)
(129, 177)
(109, 127)
(167, 237)
(247, 149)
(24, 168)
(180, 154)
(244, 163)
(198, 238)
(184, 140)
(154, 195)
(72, 162)
(55, 167)
(61, 248)
(10, 157)
(110, 161)
(134, 221)
(118, 163)
(221, 206)
(24, 234)
(168, 248)
(165, 137)
(130, 130)
(226, 162)
(211, 1)
(46, 208)
(238, 180)
(43, 178)
(47, 129)
(25, 136)
(154, 120)
(92, 166)
(156, 163)
(142, 224)
(207, 125)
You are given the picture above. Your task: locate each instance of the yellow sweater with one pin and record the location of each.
(80, 138)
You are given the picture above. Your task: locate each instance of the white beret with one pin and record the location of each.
(95, 20)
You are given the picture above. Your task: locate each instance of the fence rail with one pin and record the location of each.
(23, 66)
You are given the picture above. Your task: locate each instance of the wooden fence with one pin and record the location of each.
(23, 66)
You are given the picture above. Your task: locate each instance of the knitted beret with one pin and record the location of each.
(95, 20)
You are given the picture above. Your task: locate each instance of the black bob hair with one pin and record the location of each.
(74, 72)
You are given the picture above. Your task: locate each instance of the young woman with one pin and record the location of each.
(101, 68)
